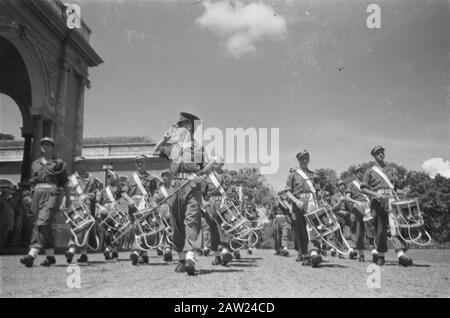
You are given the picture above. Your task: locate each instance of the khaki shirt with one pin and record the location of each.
(297, 185)
(354, 192)
(89, 184)
(189, 159)
(148, 182)
(373, 181)
(53, 171)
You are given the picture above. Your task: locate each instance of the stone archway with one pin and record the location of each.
(44, 68)
(15, 82)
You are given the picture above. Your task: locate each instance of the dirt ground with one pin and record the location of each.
(261, 274)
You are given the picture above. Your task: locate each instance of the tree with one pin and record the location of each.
(253, 184)
(327, 178)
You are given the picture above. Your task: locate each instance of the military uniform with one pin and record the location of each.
(375, 182)
(281, 223)
(49, 177)
(299, 188)
(354, 191)
(343, 218)
(172, 137)
(384, 181)
(105, 201)
(84, 187)
(215, 201)
(141, 187)
(185, 203)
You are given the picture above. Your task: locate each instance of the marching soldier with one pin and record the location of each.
(83, 186)
(360, 206)
(214, 201)
(339, 206)
(380, 184)
(105, 200)
(164, 211)
(301, 191)
(141, 188)
(49, 176)
(185, 204)
(281, 222)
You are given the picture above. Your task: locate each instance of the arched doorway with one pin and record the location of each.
(15, 82)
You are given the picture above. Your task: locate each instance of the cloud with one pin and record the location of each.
(240, 25)
(436, 166)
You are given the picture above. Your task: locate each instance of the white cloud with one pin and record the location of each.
(241, 25)
(436, 166)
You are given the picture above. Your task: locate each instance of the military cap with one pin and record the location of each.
(302, 154)
(358, 168)
(340, 182)
(48, 139)
(140, 157)
(376, 149)
(79, 158)
(187, 117)
(163, 172)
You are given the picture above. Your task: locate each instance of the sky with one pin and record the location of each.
(313, 69)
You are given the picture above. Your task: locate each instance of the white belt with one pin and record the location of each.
(385, 191)
(185, 175)
(45, 186)
(306, 195)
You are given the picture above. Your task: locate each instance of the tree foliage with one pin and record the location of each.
(253, 184)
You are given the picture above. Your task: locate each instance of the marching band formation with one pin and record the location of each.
(164, 212)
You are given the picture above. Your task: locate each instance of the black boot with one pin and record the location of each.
(49, 260)
(27, 260)
(315, 260)
(380, 261)
(107, 255)
(405, 261)
(83, 259)
(69, 256)
(134, 259)
(167, 255)
(145, 259)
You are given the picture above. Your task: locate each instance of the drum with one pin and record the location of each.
(408, 221)
(150, 228)
(324, 224)
(116, 222)
(80, 221)
(234, 225)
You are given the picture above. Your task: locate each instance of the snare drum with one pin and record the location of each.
(407, 213)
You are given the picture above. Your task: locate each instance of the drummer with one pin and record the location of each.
(359, 205)
(302, 192)
(380, 183)
(340, 209)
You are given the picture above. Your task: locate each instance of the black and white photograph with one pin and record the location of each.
(232, 150)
